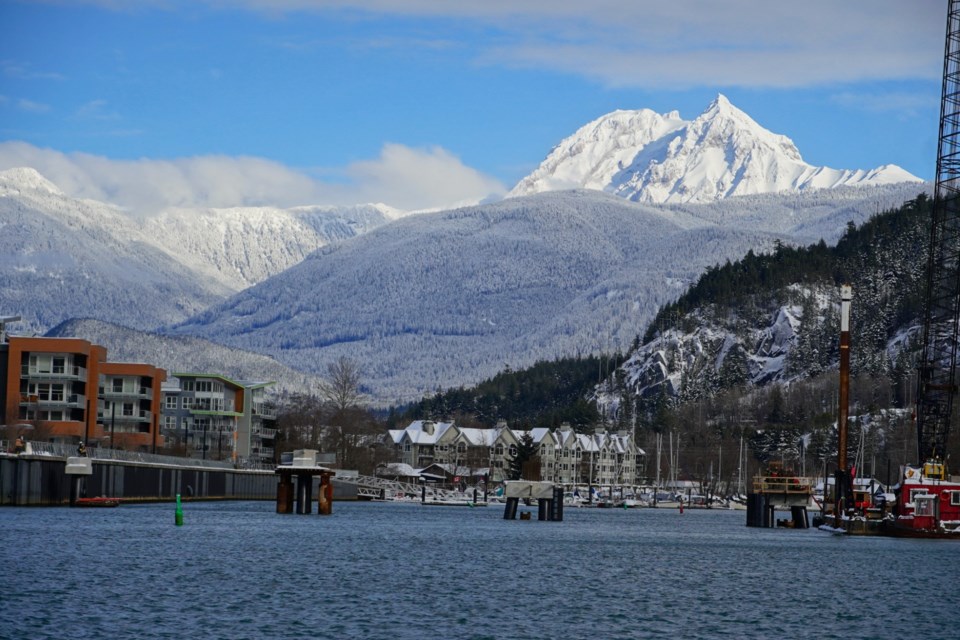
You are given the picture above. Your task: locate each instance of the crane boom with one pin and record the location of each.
(938, 360)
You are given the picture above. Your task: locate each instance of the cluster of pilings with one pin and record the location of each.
(304, 467)
(549, 499)
(761, 510)
(301, 493)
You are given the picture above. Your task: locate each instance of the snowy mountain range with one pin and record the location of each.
(442, 299)
(660, 158)
(448, 299)
(61, 257)
(185, 354)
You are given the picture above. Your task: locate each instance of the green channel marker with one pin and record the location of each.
(178, 515)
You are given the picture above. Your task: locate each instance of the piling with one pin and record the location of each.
(799, 516)
(304, 493)
(304, 466)
(510, 509)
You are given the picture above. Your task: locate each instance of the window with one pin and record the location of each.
(188, 402)
(59, 364)
(41, 363)
(204, 386)
(170, 402)
(955, 498)
(406, 447)
(128, 408)
(118, 385)
(924, 505)
(499, 449)
(461, 448)
(186, 385)
(513, 451)
(170, 422)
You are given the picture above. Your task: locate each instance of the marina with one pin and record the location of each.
(394, 570)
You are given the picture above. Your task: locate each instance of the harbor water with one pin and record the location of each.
(406, 571)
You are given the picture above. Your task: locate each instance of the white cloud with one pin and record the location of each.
(422, 178)
(750, 43)
(15, 69)
(96, 110)
(402, 177)
(33, 107)
(906, 104)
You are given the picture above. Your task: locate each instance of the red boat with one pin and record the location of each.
(102, 501)
(928, 504)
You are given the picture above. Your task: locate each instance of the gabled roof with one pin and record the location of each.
(418, 435)
(480, 437)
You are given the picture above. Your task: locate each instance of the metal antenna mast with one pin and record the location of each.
(938, 360)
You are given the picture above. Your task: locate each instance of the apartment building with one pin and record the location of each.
(130, 407)
(65, 390)
(214, 417)
(564, 456)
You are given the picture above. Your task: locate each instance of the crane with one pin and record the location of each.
(937, 365)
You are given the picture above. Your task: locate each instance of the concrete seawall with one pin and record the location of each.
(40, 480)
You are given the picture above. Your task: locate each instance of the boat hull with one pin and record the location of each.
(97, 502)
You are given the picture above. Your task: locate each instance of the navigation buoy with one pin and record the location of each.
(178, 514)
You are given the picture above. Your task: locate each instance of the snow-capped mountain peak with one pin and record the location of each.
(657, 158)
(18, 179)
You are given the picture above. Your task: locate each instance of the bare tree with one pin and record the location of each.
(341, 387)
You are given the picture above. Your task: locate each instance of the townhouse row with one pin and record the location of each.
(564, 456)
(66, 390)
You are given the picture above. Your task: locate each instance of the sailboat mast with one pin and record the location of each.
(843, 484)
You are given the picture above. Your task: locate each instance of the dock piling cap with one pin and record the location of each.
(79, 466)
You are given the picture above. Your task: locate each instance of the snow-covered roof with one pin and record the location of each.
(425, 431)
(400, 469)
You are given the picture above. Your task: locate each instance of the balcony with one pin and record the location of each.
(58, 400)
(265, 432)
(56, 373)
(208, 404)
(263, 411)
(141, 393)
(137, 416)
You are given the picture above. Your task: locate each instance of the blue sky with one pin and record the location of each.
(427, 103)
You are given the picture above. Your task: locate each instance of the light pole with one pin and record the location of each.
(113, 420)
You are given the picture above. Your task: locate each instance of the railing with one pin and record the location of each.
(782, 484)
(142, 392)
(372, 487)
(263, 411)
(266, 432)
(102, 453)
(72, 400)
(141, 415)
(204, 404)
(71, 373)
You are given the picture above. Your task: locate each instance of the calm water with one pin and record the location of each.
(238, 570)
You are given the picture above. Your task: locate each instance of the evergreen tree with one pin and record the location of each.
(526, 452)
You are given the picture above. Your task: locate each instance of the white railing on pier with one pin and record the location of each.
(377, 488)
(60, 450)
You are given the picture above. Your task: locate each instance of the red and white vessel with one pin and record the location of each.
(928, 503)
